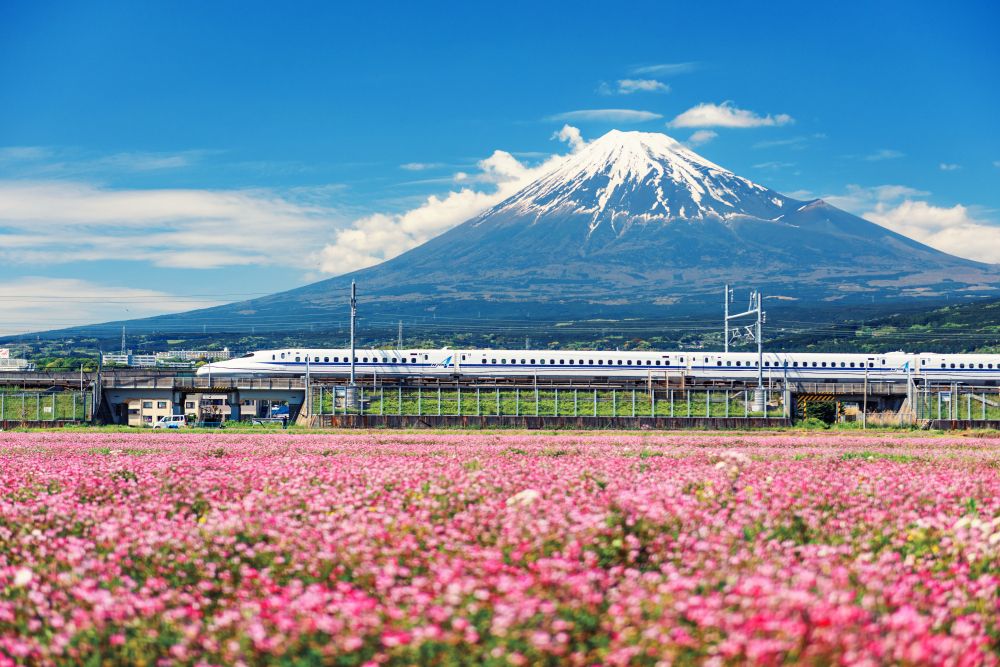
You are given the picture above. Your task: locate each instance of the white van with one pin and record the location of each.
(171, 421)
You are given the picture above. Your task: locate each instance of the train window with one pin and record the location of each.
(980, 365)
(852, 364)
(316, 360)
(814, 364)
(463, 357)
(658, 363)
(425, 357)
(562, 362)
(272, 357)
(706, 360)
(522, 361)
(871, 364)
(326, 360)
(493, 361)
(795, 364)
(682, 360)
(298, 358)
(961, 365)
(823, 364)
(570, 362)
(533, 361)
(953, 365)
(718, 363)
(619, 362)
(729, 363)
(600, 362)
(648, 362)
(503, 361)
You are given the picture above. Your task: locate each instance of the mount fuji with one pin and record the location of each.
(630, 225)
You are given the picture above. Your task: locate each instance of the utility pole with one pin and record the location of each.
(123, 340)
(760, 342)
(399, 336)
(727, 297)
(527, 343)
(354, 314)
(753, 332)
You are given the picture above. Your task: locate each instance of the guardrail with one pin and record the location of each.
(205, 383)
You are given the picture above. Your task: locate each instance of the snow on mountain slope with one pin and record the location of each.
(624, 178)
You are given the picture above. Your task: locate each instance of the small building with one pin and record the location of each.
(197, 407)
(147, 411)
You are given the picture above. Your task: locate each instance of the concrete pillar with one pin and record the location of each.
(233, 400)
(178, 399)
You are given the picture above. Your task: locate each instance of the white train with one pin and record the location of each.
(980, 369)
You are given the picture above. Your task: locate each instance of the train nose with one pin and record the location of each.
(206, 370)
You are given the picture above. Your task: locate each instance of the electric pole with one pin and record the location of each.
(399, 337)
(354, 314)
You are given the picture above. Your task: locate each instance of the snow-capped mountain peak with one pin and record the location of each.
(624, 178)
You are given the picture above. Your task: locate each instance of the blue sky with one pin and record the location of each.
(155, 156)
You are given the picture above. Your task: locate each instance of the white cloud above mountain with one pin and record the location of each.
(700, 137)
(605, 116)
(375, 238)
(726, 114)
(957, 229)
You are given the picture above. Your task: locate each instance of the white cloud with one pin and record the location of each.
(955, 229)
(571, 136)
(49, 162)
(702, 137)
(951, 229)
(69, 221)
(664, 69)
(421, 166)
(629, 86)
(948, 166)
(996, 163)
(376, 238)
(606, 116)
(774, 165)
(35, 303)
(884, 154)
(726, 115)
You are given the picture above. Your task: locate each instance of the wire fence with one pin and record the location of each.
(547, 402)
(957, 403)
(46, 406)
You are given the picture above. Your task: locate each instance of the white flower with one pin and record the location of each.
(22, 577)
(524, 498)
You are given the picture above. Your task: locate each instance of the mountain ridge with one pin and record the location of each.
(631, 225)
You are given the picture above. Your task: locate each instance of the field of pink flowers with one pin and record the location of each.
(146, 549)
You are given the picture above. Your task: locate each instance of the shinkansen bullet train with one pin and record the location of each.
(982, 369)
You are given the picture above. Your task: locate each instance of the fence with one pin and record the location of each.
(957, 402)
(45, 406)
(547, 402)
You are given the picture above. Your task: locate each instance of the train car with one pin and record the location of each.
(981, 369)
